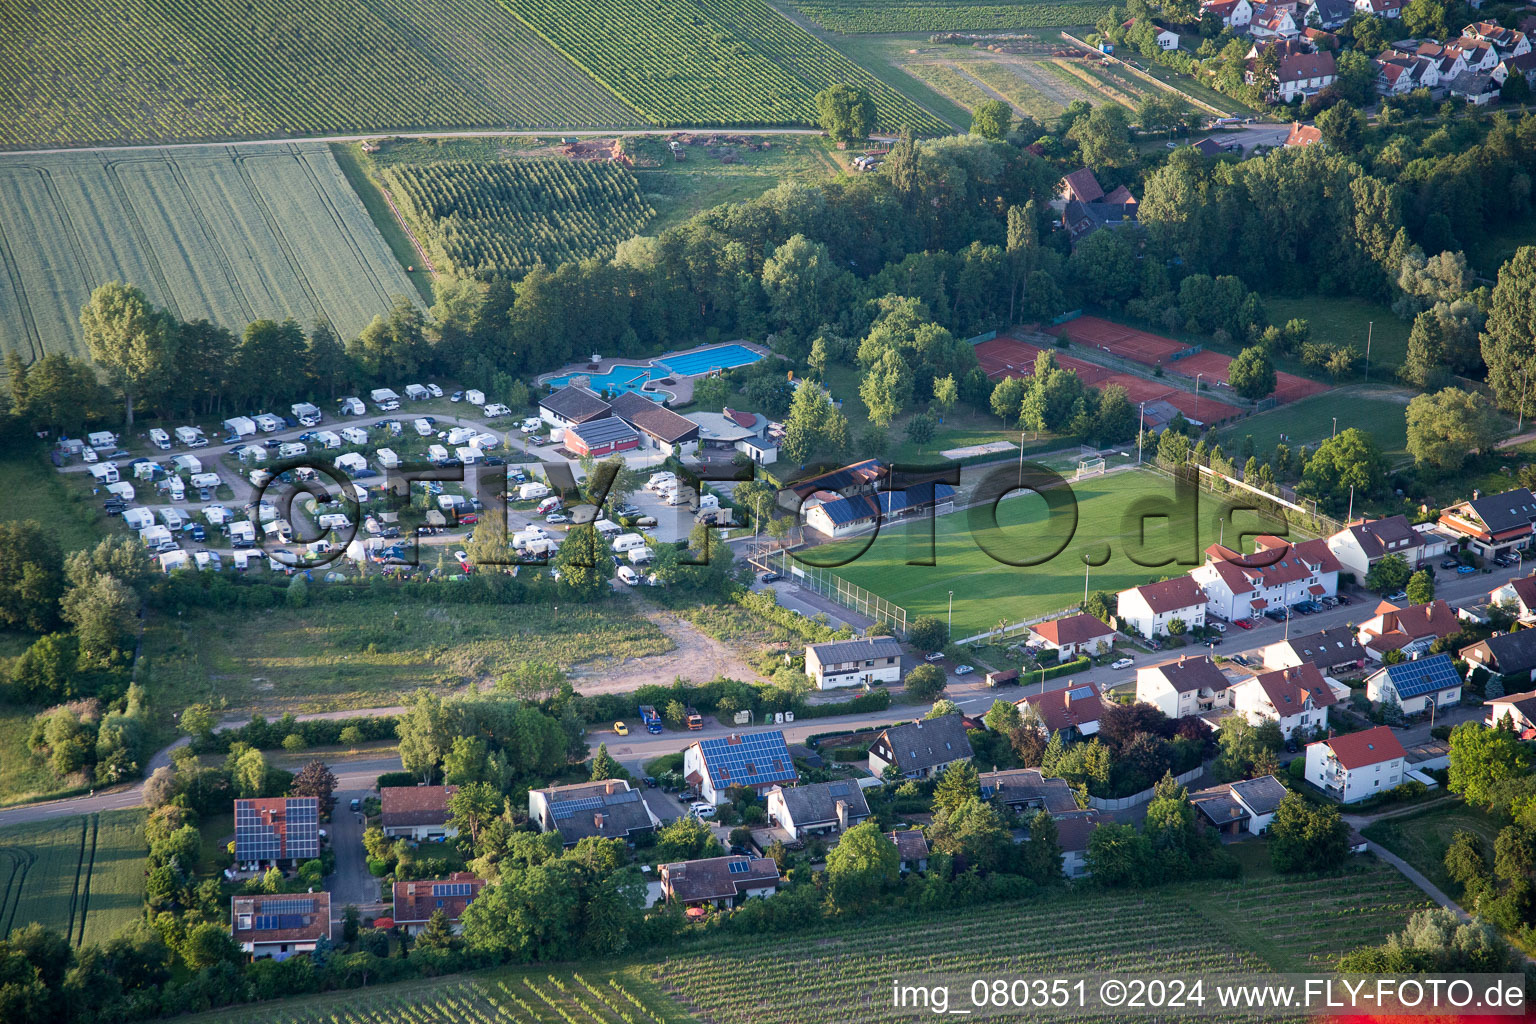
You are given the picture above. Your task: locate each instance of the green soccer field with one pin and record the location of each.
(232, 236)
(987, 591)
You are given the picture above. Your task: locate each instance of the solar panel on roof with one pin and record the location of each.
(452, 889)
(1416, 678)
(1080, 692)
(740, 867)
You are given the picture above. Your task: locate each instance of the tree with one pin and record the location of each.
(1421, 587)
(862, 865)
(437, 934)
(886, 387)
(813, 427)
(972, 829)
(1509, 337)
(426, 732)
(584, 563)
(958, 784)
(1103, 137)
(797, 279)
(472, 807)
(1485, 762)
(1118, 855)
(920, 430)
(845, 112)
(992, 119)
(209, 944)
(1003, 717)
(928, 633)
(1389, 575)
(1425, 18)
(250, 774)
(1307, 838)
(945, 394)
(604, 766)
(687, 838)
(103, 611)
(1241, 745)
(1008, 399)
(315, 779)
(1251, 374)
(1342, 126)
(1443, 342)
(1446, 427)
(128, 339)
(395, 345)
(31, 576)
(926, 682)
(1349, 460)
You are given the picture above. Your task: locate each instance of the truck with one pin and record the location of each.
(651, 719)
(695, 720)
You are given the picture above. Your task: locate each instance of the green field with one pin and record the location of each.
(840, 974)
(712, 62)
(334, 656)
(1380, 412)
(1346, 320)
(850, 16)
(1421, 839)
(986, 590)
(497, 219)
(125, 71)
(230, 235)
(34, 490)
(82, 876)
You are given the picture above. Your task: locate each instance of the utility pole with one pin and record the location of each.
(1369, 328)
(1021, 458)
(1085, 582)
(1141, 425)
(951, 613)
(1351, 516)
(1335, 427)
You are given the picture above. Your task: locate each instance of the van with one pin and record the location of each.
(658, 479)
(191, 437)
(627, 542)
(160, 439)
(530, 424)
(702, 810)
(334, 521)
(629, 576)
(548, 505)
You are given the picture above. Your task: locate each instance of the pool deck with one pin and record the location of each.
(681, 388)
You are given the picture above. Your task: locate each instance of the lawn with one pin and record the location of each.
(83, 876)
(882, 56)
(1346, 320)
(271, 231)
(987, 591)
(1380, 412)
(336, 656)
(353, 164)
(1422, 839)
(34, 491)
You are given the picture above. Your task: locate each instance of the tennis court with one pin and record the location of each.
(1118, 339)
(1213, 366)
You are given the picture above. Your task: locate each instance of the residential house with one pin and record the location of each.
(1081, 186)
(1330, 651)
(920, 749)
(1233, 14)
(1398, 73)
(1086, 208)
(838, 663)
(1073, 711)
(1318, 39)
(911, 849)
(1277, 575)
(817, 809)
(722, 881)
(1391, 9)
(1072, 834)
(1508, 42)
(1303, 74)
(659, 427)
(278, 831)
(1519, 597)
(1360, 545)
(1476, 55)
(1075, 635)
(832, 515)
(1237, 807)
(1356, 766)
(1024, 790)
(1494, 525)
(1191, 685)
(416, 812)
(1523, 65)
(1512, 656)
(1167, 38)
(417, 901)
(572, 405)
(1417, 686)
(1148, 609)
(1410, 630)
(1328, 14)
(1478, 88)
(605, 809)
(1272, 21)
(1519, 708)
(1296, 698)
(758, 760)
(278, 926)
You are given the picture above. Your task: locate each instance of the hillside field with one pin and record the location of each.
(83, 875)
(987, 590)
(232, 235)
(858, 16)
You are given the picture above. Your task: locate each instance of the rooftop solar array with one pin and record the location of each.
(1426, 675)
(740, 867)
(278, 922)
(562, 809)
(754, 759)
(452, 889)
(294, 833)
(1080, 693)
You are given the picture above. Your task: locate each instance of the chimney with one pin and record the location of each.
(734, 739)
(842, 815)
(1476, 494)
(598, 819)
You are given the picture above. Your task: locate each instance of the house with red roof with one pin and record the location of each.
(1411, 629)
(1278, 574)
(1357, 766)
(416, 901)
(1082, 186)
(1296, 698)
(1494, 524)
(1074, 635)
(1303, 135)
(1519, 596)
(1361, 544)
(1148, 609)
(1074, 712)
(1233, 14)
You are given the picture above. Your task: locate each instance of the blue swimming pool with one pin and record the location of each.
(692, 364)
(620, 378)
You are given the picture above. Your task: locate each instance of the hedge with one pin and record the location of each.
(1065, 668)
(874, 700)
(318, 732)
(390, 779)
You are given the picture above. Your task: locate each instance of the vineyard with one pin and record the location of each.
(857, 16)
(82, 876)
(507, 218)
(710, 62)
(228, 235)
(124, 71)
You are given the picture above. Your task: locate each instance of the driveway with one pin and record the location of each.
(351, 884)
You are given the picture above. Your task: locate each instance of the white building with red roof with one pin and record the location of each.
(1278, 574)
(1357, 766)
(1074, 635)
(1360, 545)
(1411, 629)
(1519, 596)
(1296, 698)
(1233, 14)
(1074, 711)
(1148, 609)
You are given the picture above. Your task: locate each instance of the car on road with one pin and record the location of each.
(627, 510)
(1450, 563)
(557, 518)
(1463, 570)
(769, 577)
(356, 804)
(1214, 641)
(1124, 663)
(702, 810)
(934, 656)
(621, 728)
(1220, 627)
(1401, 595)
(1243, 624)
(964, 670)
(650, 782)
(1503, 561)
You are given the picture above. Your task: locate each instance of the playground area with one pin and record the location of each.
(1010, 357)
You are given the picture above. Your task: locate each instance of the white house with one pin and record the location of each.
(1359, 765)
(1417, 685)
(1272, 21)
(1519, 596)
(1237, 807)
(1495, 524)
(822, 808)
(1074, 635)
(1234, 14)
(1519, 708)
(1411, 629)
(571, 406)
(416, 812)
(853, 662)
(1277, 575)
(1188, 686)
(1149, 609)
(1359, 546)
(1380, 8)
(1305, 74)
(757, 760)
(1296, 698)
(1167, 38)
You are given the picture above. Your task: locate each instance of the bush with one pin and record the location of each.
(378, 868)
(874, 700)
(396, 779)
(849, 753)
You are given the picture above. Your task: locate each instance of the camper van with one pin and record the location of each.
(123, 489)
(354, 435)
(628, 575)
(529, 491)
(467, 454)
(101, 439)
(242, 533)
(485, 442)
(173, 518)
(496, 409)
(385, 399)
(292, 449)
(176, 489)
(523, 538)
(530, 424)
(387, 458)
(437, 454)
(626, 542)
(460, 435)
(105, 472)
(353, 407)
(334, 521)
(187, 463)
(416, 393)
(474, 397)
(660, 481)
(306, 414)
(268, 423)
(423, 428)
(548, 505)
(160, 439)
(352, 462)
(192, 437)
(139, 519)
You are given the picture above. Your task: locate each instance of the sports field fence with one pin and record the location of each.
(851, 596)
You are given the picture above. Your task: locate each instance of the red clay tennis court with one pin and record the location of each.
(1213, 366)
(1118, 339)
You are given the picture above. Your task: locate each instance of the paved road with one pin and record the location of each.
(351, 882)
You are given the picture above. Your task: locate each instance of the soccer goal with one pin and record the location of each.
(1090, 467)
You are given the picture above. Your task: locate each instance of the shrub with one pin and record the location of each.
(396, 779)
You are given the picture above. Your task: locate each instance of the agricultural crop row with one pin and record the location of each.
(81, 876)
(856, 16)
(74, 72)
(946, 81)
(709, 62)
(231, 236)
(507, 218)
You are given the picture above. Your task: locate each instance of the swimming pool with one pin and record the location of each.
(692, 364)
(620, 378)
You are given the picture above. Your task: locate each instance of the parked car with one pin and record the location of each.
(457, 396)
(1342, 599)
(934, 656)
(650, 782)
(769, 577)
(1401, 595)
(964, 670)
(702, 810)
(1240, 659)
(1451, 563)
(434, 391)
(621, 728)
(1220, 627)
(557, 518)
(1243, 624)
(1124, 663)
(1462, 570)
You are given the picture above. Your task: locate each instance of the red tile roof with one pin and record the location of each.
(1274, 563)
(1288, 689)
(1083, 185)
(1363, 749)
(303, 917)
(1302, 66)
(1073, 707)
(1419, 620)
(403, 806)
(1303, 135)
(416, 901)
(1525, 586)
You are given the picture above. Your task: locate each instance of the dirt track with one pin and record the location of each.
(697, 657)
